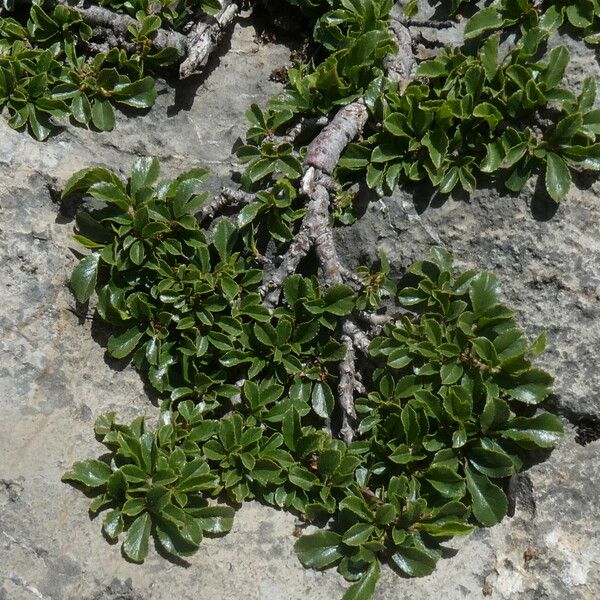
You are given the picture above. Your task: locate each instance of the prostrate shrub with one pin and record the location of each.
(390, 414)
(447, 410)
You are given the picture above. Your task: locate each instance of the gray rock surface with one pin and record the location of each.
(54, 379)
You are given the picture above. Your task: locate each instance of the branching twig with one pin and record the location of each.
(194, 49)
(430, 23)
(226, 199)
(325, 150)
(205, 37)
(359, 338)
(401, 66)
(321, 159)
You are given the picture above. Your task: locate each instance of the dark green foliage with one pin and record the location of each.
(249, 394)
(440, 427)
(50, 70)
(173, 13)
(188, 310)
(580, 15)
(466, 120)
(469, 114)
(45, 73)
(152, 486)
(449, 413)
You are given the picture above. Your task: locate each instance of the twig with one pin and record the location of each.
(299, 248)
(305, 124)
(431, 24)
(194, 49)
(346, 389)
(321, 159)
(401, 66)
(359, 338)
(205, 37)
(226, 199)
(108, 21)
(324, 151)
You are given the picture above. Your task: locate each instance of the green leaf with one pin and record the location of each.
(81, 108)
(567, 127)
(446, 481)
(580, 13)
(451, 373)
(490, 462)
(92, 473)
(135, 545)
(84, 179)
(482, 21)
(358, 534)
(558, 59)
(428, 68)
(489, 502)
(495, 413)
(446, 527)
(364, 588)
(410, 424)
(531, 388)
(291, 428)
(322, 399)
(329, 461)
(144, 173)
(85, 276)
(558, 177)
(489, 56)
(303, 478)
(436, 142)
(103, 115)
(139, 94)
(493, 157)
(484, 293)
(459, 403)
(215, 520)
(124, 344)
(413, 561)
(490, 113)
(224, 236)
(113, 524)
(319, 550)
(358, 506)
(544, 431)
(339, 299)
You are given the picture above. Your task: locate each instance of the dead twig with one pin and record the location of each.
(194, 49)
(228, 198)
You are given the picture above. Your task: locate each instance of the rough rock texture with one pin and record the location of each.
(54, 379)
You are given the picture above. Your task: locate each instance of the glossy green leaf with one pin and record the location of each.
(489, 502)
(544, 430)
(135, 545)
(413, 561)
(319, 550)
(85, 276)
(91, 473)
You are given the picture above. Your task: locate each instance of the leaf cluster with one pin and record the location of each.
(476, 115)
(47, 73)
(471, 113)
(172, 13)
(443, 425)
(151, 486)
(582, 15)
(187, 309)
(450, 411)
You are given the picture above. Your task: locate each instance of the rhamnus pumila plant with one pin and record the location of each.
(390, 415)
